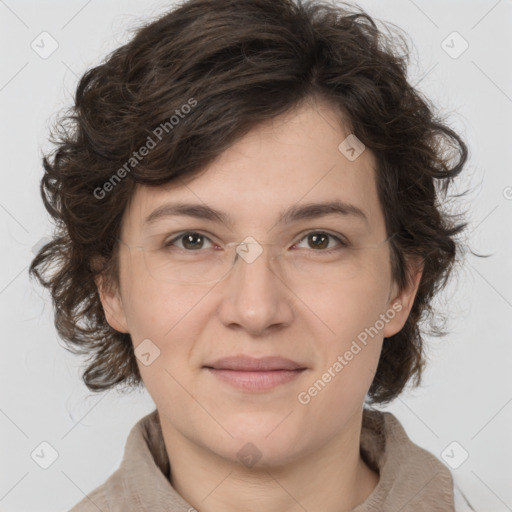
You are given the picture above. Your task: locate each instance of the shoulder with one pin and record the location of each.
(95, 501)
(142, 470)
(411, 478)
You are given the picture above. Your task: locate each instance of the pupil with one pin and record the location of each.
(322, 238)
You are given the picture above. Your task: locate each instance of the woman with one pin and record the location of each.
(248, 201)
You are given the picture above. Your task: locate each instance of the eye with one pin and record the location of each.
(320, 241)
(189, 241)
(192, 241)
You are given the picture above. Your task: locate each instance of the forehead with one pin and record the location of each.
(289, 160)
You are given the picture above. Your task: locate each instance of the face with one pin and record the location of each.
(302, 346)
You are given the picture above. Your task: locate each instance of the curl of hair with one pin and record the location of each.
(243, 63)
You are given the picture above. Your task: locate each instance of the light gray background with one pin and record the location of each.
(466, 395)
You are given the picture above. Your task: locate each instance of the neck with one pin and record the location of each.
(333, 478)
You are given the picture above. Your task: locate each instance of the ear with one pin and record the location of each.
(401, 302)
(111, 301)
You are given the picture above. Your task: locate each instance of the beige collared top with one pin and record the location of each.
(410, 478)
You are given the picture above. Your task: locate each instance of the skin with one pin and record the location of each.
(309, 453)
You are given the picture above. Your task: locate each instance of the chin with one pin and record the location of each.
(261, 441)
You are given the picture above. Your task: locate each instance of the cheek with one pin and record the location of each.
(348, 308)
(152, 308)
(171, 322)
(347, 359)
(352, 322)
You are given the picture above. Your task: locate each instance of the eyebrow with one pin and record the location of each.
(292, 214)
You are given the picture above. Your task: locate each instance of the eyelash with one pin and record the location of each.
(343, 243)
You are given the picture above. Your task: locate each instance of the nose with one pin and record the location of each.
(254, 297)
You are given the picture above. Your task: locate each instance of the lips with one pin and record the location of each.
(251, 364)
(255, 374)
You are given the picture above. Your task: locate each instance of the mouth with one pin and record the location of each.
(255, 374)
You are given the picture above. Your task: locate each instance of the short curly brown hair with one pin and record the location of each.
(242, 62)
